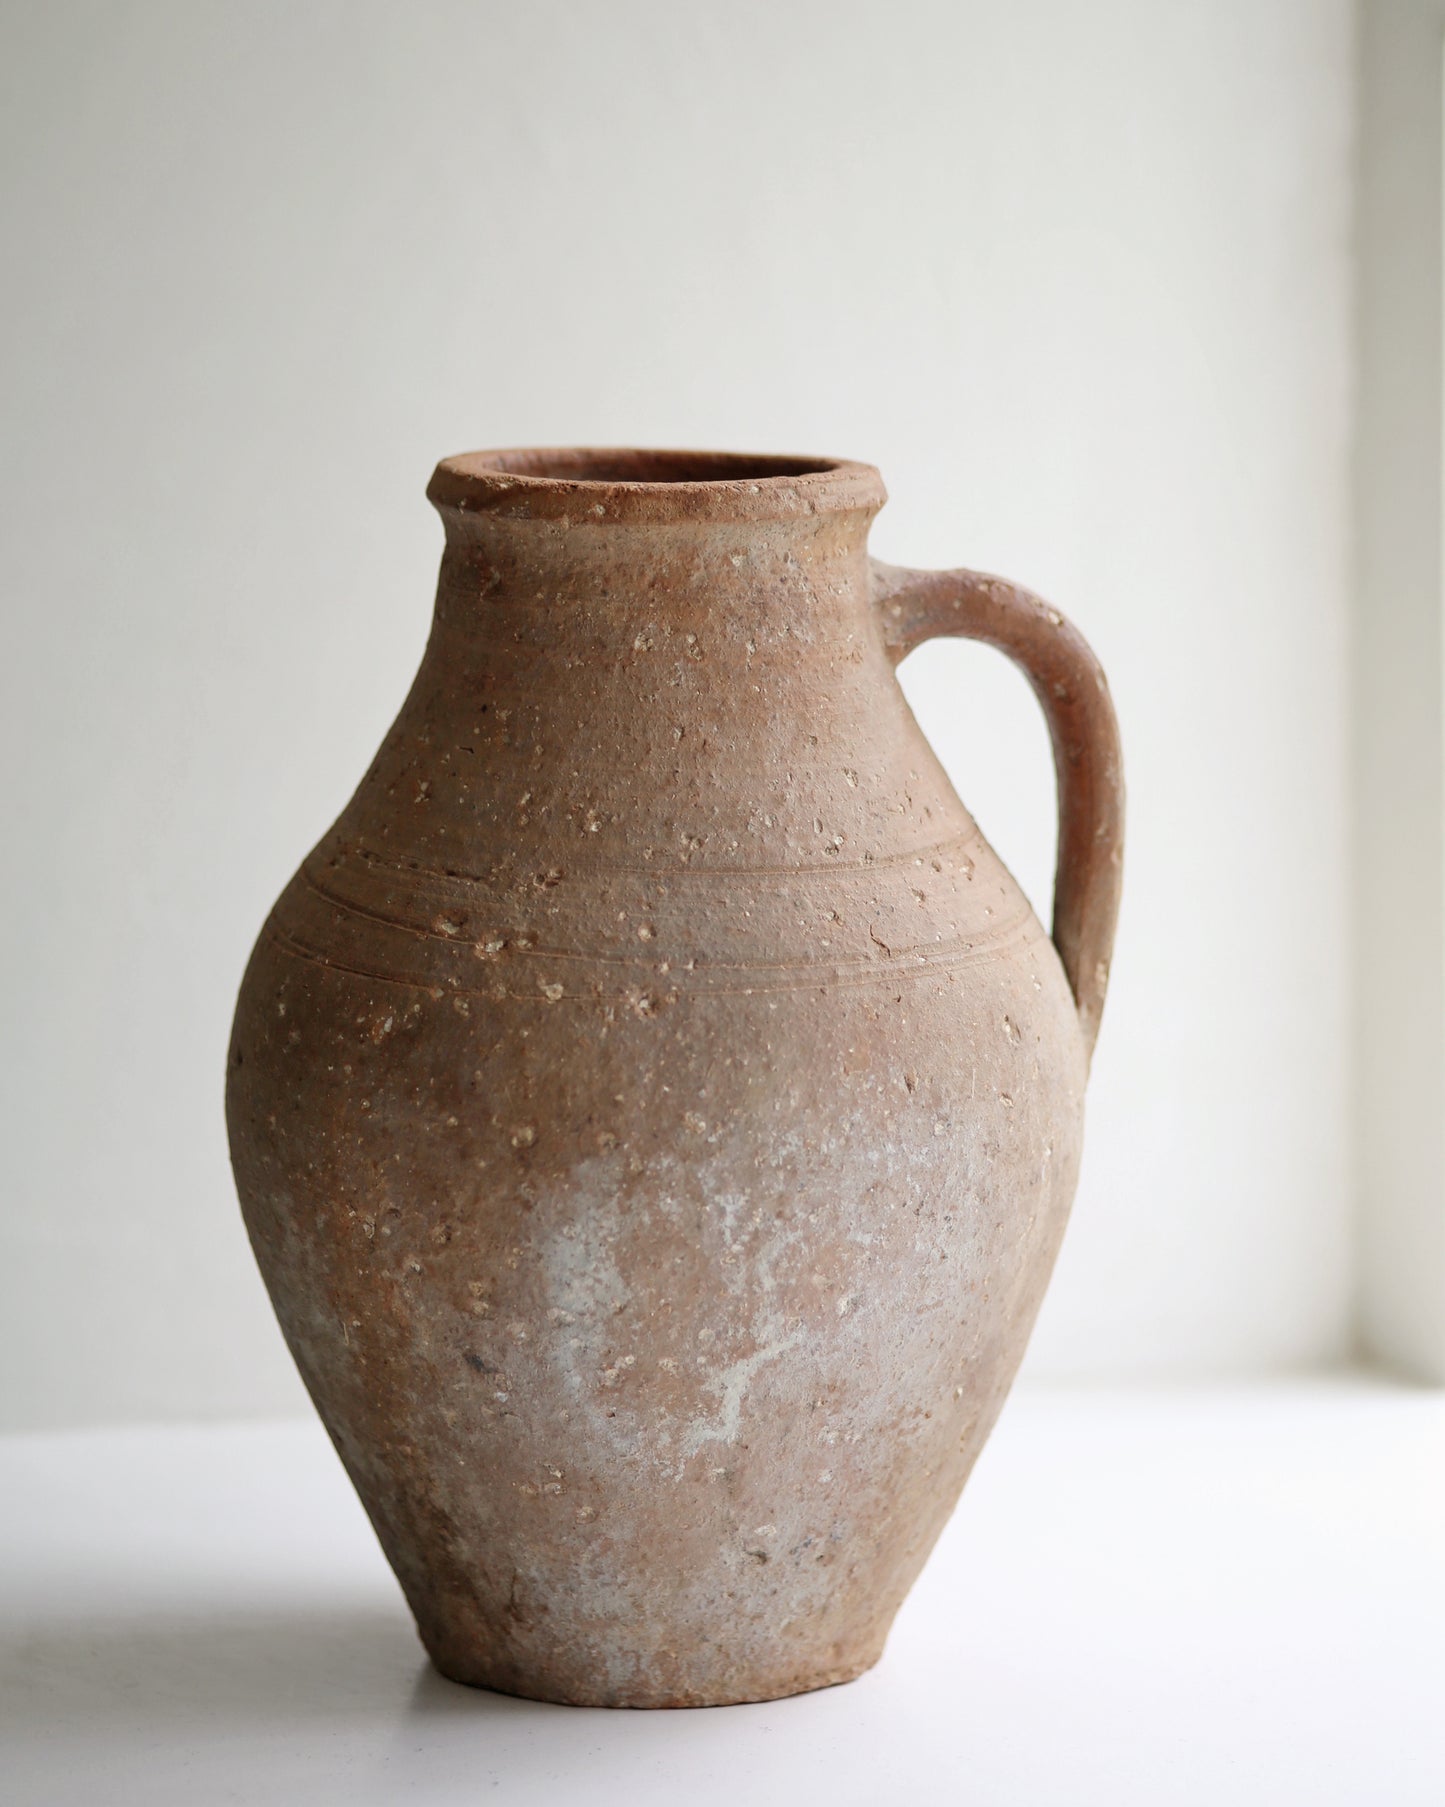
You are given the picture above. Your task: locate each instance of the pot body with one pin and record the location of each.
(655, 1109)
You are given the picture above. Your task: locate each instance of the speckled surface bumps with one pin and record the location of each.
(654, 1107)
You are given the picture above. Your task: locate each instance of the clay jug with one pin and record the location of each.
(655, 1108)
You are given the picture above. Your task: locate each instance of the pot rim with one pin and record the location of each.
(592, 484)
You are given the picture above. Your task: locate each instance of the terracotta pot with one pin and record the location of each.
(655, 1108)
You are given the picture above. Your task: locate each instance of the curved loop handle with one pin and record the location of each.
(1069, 682)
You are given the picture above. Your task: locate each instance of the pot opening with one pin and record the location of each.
(628, 466)
(640, 484)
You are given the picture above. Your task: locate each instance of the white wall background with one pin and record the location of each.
(1077, 278)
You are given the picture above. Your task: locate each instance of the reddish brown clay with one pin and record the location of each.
(654, 1106)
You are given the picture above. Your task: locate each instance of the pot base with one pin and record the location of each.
(495, 1679)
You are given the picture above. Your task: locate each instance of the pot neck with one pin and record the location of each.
(596, 541)
(556, 580)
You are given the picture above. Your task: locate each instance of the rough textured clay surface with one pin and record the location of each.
(654, 1106)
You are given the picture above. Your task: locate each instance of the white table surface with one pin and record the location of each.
(1223, 1596)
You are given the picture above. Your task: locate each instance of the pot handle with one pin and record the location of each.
(1069, 682)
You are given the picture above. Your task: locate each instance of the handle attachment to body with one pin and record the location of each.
(1069, 682)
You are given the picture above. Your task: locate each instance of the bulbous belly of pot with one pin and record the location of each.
(658, 1308)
